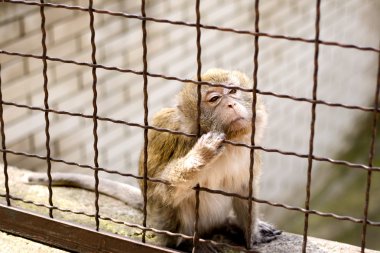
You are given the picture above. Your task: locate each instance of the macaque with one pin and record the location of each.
(226, 114)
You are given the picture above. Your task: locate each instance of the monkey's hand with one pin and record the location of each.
(183, 172)
(208, 147)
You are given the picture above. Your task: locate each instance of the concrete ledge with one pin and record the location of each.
(68, 198)
(287, 243)
(10, 243)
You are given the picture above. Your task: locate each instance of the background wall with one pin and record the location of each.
(345, 76)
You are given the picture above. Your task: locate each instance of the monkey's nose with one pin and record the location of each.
(231, 105)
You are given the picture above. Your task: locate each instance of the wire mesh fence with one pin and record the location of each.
(256, 34)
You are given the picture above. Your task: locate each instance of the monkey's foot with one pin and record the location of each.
(267, 232)
(208, 248)
(201, 247)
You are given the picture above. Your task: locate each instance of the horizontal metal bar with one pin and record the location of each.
(203, 26)
(66, 235)
(182, 80)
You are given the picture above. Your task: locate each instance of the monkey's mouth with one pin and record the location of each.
(238, 120)
(239, 124)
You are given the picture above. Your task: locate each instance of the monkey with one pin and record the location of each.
(183, 162)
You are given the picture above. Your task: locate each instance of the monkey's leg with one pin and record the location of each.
(242, 212)
(229, 232)
(261, 232)
(202, 247)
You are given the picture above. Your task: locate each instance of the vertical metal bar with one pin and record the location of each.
(252, 151)
(199, 99)
(3, 146)
(95, 114)
(370, 158)
(199, 64)
(146, 113)
(312, 123)
(196, 235)
(46, 104)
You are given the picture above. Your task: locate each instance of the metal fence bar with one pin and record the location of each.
(5, 226)
(187, 237)
(312, 124)
(3, 146)
(46, 105)
(199, 66)
(95, 114)
(209, 27)
(253, 123)
(370, 159)
(199, 112)
(269, 150)
(256, 34)
(34, 227)
(321, 102)
(146, 114)
(288, 207)
(196, 227)
(183, 80)
(157, 180)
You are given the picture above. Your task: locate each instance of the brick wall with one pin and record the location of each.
(346, 76)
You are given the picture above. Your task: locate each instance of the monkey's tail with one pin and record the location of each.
(124, 192)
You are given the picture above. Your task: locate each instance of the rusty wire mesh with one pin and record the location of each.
(256, 34)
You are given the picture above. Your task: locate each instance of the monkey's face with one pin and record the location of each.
(226, 110)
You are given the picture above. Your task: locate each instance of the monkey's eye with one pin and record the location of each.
(233, 91)
(214, 99)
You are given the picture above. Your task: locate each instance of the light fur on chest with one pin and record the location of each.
(230, 173)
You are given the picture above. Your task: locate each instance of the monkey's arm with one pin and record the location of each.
(123, 192)
(178, 160)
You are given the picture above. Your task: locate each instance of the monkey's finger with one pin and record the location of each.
(221, 136)
(218, 138)
(273, 232)
(214, 136)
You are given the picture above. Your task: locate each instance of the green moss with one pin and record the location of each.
(343, 192)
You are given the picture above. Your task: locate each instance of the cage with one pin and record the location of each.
(72, 79)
